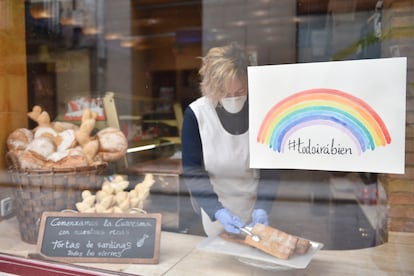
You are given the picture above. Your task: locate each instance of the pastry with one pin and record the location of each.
(85, 194)
(90, 149)
(113, 198)
(82, 207)
(83, 134)
(40, 116)
(90, 200)
(120, 197)
(273, 241)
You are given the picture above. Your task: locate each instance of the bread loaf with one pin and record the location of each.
(65, 140)
(302, 246)
(19, 139)
(273, 241)
(69, 158)
(112, 144)
(28, 160)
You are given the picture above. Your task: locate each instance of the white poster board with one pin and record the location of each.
(335, 116)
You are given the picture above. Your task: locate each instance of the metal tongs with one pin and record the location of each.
(248, 231)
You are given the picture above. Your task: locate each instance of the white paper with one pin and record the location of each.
(336, 116)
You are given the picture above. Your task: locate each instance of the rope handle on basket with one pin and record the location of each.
(12, 161)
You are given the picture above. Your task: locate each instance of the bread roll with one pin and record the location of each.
(112, 144)
(34, 114)
(70, 158)
(19, 139)
(29, 161)
(57, 156)
(42, 147)
(65, 140)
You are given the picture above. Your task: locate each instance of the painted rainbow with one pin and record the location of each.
(323, 106)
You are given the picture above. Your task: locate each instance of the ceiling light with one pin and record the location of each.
(127, 43)
(113, 36)
(90, 31)
(259, 13)
(239, 23)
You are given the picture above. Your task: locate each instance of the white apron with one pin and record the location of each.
(226, 159)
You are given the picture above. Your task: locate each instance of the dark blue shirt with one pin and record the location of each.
(196, 177)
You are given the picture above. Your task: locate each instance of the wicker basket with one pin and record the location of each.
(36, 191)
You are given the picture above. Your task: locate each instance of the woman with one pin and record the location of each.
(215, 145)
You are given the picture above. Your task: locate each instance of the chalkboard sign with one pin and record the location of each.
(83, 237)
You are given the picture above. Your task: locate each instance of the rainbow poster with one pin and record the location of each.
(341, 116)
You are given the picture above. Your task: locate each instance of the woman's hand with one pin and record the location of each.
(230, 222)
(259, 216)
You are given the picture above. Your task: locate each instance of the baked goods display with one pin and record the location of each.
(114, 197)
(272, 241)
(19, 139)
(63, 144)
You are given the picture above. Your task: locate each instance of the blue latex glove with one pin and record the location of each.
(230, 222)
(259, 216)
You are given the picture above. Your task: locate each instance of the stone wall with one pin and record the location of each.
(398, 40)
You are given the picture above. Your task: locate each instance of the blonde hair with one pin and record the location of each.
(219, 67)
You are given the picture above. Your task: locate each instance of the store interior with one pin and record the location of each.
(146, 52)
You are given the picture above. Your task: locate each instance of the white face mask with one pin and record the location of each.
(233, 104)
